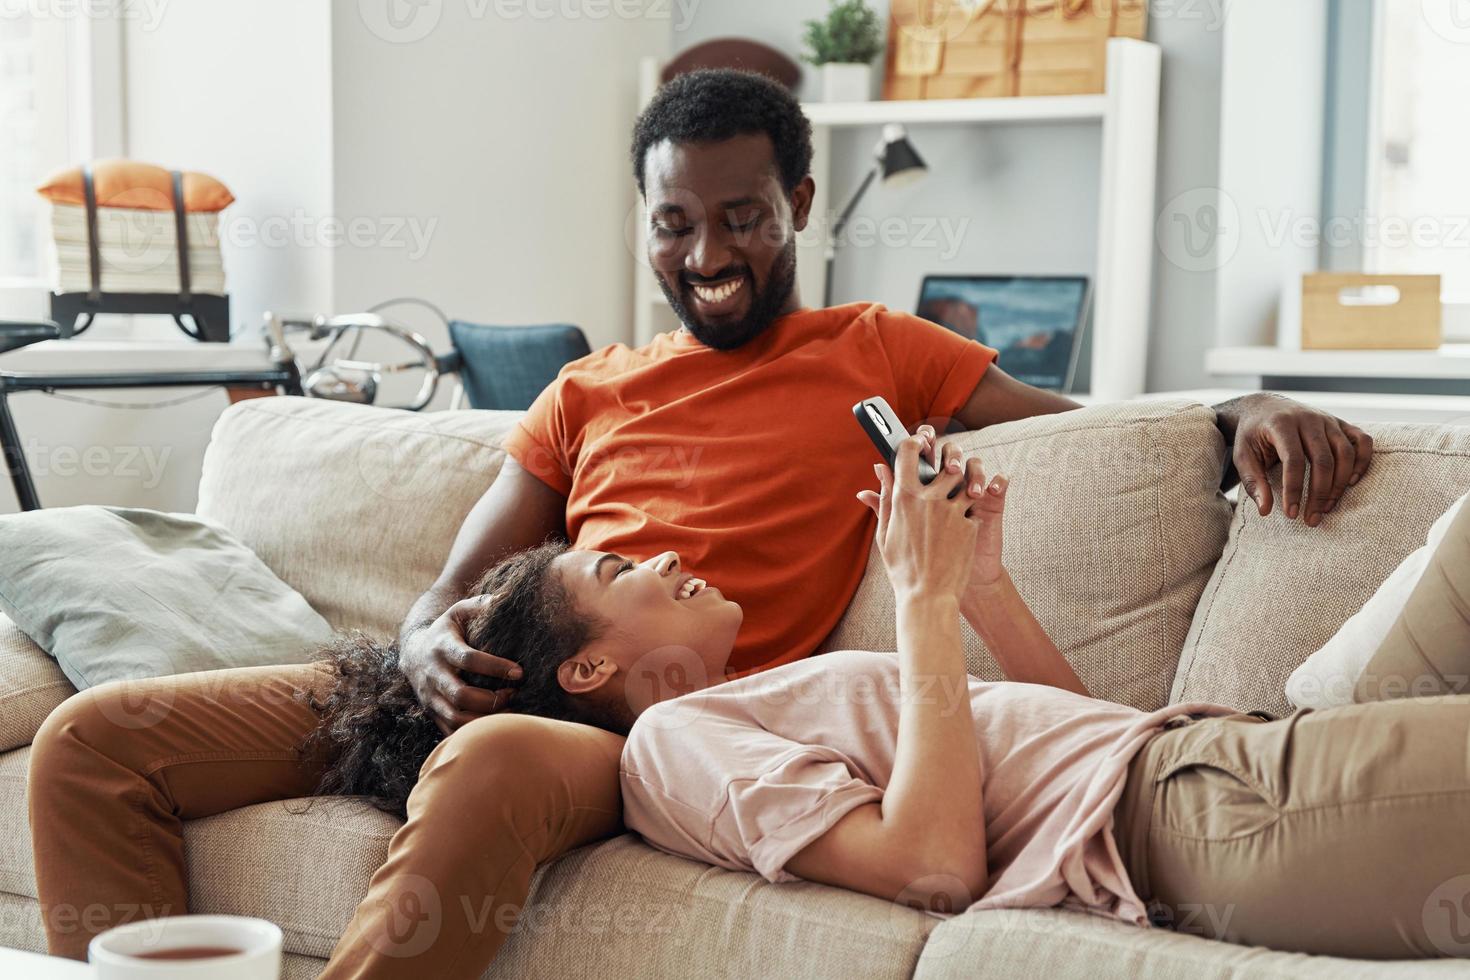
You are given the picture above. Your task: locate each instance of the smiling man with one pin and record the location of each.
(729, 442)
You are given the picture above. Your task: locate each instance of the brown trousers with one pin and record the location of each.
(116, 770)
(1344, 831)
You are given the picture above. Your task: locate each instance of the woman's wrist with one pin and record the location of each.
(925, 600)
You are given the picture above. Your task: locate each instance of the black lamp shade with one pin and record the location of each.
(901, 162)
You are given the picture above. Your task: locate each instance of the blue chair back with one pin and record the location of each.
(507, 367)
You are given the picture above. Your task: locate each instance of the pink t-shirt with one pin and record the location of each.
(745, 774)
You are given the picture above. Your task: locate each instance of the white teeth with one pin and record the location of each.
(718, 294)
(691, 587)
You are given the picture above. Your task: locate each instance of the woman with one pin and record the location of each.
(905, 778)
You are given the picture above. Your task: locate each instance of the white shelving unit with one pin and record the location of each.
(1128, 111)
(1451, 361)
(1052, 108)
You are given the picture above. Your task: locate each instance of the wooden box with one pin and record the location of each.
(1355, 311)
(954, 49)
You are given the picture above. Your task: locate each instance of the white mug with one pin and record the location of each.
(131, 952)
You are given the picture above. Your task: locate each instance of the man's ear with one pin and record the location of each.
(585, 672)
(801, 202)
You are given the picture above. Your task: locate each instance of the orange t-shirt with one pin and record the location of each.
(745, 462)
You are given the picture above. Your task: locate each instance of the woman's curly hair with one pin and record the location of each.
(377, 734)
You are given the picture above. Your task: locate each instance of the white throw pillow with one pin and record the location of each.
(1327, 678)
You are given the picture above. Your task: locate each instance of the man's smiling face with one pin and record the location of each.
(722, 235)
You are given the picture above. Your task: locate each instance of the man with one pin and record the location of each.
(730, 441)
(722, 160)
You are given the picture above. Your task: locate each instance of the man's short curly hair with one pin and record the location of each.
(715, 104)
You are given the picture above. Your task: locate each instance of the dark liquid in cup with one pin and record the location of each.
(188, 953)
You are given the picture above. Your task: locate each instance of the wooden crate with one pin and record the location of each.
(1340, 312)
(952, 49)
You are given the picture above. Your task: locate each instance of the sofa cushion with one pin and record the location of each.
(1113, 523)
(1282, 589)
(1062, 945)
(31, 684)
(355, 507)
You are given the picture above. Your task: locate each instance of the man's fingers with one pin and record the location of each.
(470, 605)
(1319, 455)
(479, 662)
(870, 499)
(1345, 459)
(1363, 446)
(460, 695)
(448, 718)
(1293, 457)
(1253, 479)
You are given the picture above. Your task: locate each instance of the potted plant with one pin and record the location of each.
(843, 47)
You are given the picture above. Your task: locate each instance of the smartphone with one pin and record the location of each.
(886, 431)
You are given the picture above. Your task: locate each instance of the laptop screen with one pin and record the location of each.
(1034, 321)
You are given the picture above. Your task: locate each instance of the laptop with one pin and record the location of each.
(1035, 322)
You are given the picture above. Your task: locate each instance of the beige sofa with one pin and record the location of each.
(1154, 586)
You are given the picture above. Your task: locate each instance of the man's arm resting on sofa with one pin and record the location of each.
(517, 512)
(1260, 429)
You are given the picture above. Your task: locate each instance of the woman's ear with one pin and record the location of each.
(585, 672)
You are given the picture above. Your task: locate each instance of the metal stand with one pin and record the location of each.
(210, 314)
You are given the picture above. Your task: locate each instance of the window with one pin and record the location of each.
(1418, 205)
(33, 138)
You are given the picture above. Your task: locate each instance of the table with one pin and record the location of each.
(33, 966)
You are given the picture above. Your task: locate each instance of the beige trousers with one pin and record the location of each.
(1343, 831)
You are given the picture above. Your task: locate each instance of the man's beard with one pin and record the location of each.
(765, 304)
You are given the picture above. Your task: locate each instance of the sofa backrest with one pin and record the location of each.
(354, 507)
(1113, 526)
(1282, 589)
(1114, 521)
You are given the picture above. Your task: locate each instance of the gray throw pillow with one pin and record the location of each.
(118, 593)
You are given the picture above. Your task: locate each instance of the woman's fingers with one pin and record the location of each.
(929, 442)
(991, 500)
(885, 498)
(974, 477)
(906, 464)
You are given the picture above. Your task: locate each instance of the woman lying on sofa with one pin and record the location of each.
(906, 778)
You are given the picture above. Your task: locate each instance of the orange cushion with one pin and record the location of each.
(129, 184)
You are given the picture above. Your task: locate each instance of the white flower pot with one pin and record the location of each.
(843, 82)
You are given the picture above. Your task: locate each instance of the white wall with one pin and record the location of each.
(1270, 162)
(502, 136)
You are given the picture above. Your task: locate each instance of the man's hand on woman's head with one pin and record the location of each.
(1268, 429)
(433, 658)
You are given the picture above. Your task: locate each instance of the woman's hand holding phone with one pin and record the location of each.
(937, 538)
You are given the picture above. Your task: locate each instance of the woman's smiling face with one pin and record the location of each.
(668, 632)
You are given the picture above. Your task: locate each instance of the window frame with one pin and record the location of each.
(79, 89)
